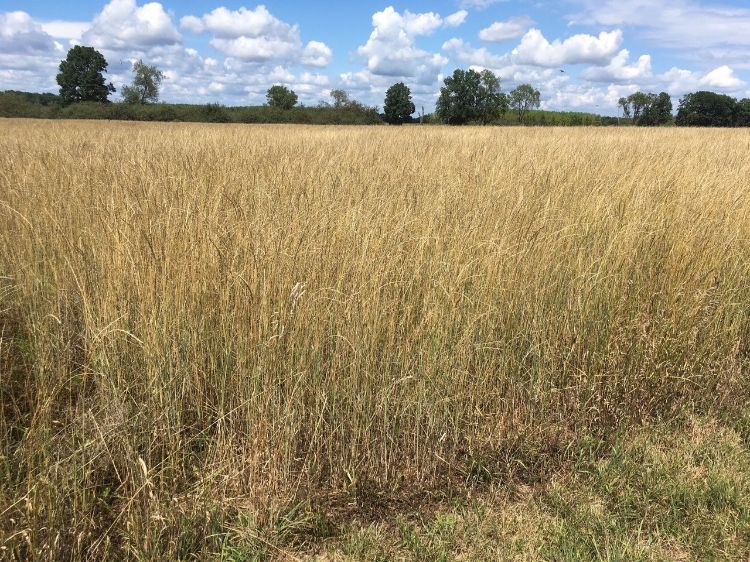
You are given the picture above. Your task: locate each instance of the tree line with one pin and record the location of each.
(466, 97)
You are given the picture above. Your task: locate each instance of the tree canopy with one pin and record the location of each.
(634, 104)
(742, 113)
(523, 98)
(706, 109)
(647, 109)
(492, 101)
(658, 111)
(470, 96)
(281, 97)
(81, 77)
(146, 84)
(340, 98)
(398, 106)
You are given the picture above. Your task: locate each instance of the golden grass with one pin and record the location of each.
(200, 322)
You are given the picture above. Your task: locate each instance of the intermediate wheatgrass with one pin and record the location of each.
(204, 324)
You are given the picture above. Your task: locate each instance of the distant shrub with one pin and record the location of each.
(215, 113)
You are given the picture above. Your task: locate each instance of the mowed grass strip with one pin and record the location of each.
(663, 493)
(211, 328)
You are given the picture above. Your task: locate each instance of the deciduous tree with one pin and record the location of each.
(658, 111)
(523, 98)
(147, 81)
(340, 98)
(742, 114)
(470, 96)
(281, 97)
(81, 76)
(398, 106)
(706, 109)
(634, 105)
(492, 101)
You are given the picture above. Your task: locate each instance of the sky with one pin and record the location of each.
(582, 55)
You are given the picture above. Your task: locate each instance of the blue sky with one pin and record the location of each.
(581, 54)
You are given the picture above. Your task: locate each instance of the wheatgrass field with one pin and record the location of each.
(226, 342)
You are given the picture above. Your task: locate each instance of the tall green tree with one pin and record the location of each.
(398, 106)
(658, 111)
(647, 109)
(281, 97)
(634, 105)
(523, 98)
(706, 109)
(492, 101)
(742, 113)
(470, 96)
(147, 81)
(340, 99)
(81, 76)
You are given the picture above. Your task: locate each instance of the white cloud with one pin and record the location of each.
(123, 25)
(19, 33)
(456, 19)
(462, 52)
(722, 77)
(309, 86)
(226, 23)
(314, 79)
(256, 35)
(673, 23)
(505, 30)
(257, 49)
(389, 23)
(391, 49)
(679, 81)
(316, 54)
(28, 55)
(619, 69)
(737, 57)
(192, 24)
(581, 97)
(534, 49)
(61, 29)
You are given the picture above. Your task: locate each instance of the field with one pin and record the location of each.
(256, 342)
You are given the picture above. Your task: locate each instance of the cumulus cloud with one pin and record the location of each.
(193, 24)
(462, 52)
(256, 35)
(226, 23)
(28, 54)
(391, 49)
(722, 77)
(66, 29)
(124, 25)
(586, 97)
(19, 33)
(680, 81)
(536, 50)
(505, 30)
(316, 54)
(619, 69)
(456, 18)
(257, 49)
